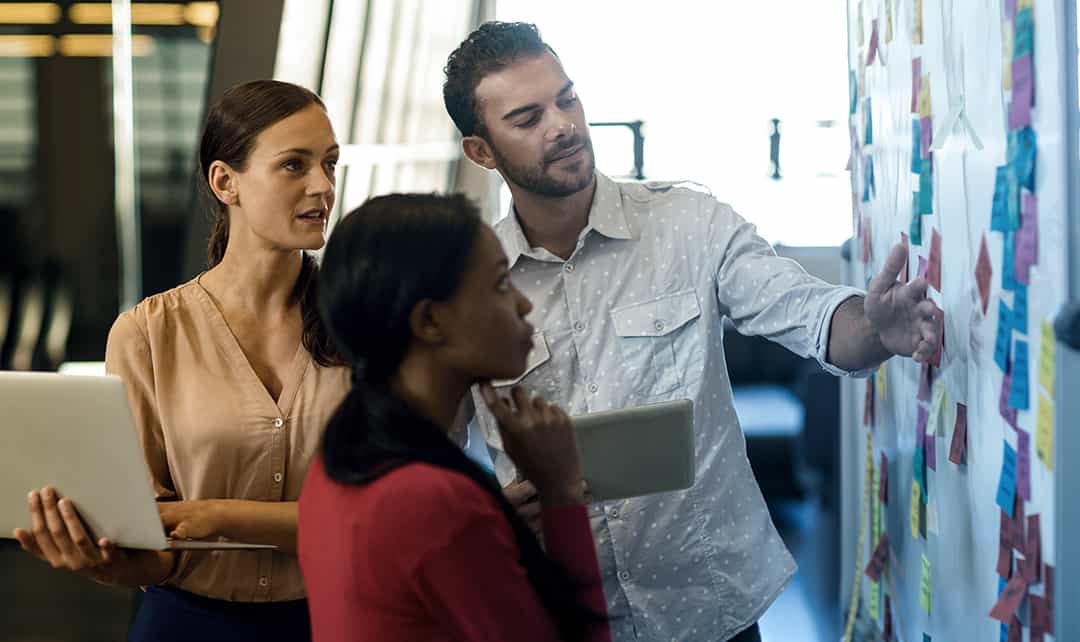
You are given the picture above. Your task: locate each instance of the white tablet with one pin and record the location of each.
(637, 451)
(75, 433)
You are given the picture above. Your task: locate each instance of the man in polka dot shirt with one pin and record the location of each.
(630, 283)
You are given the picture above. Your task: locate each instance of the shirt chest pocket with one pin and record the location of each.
(646, 335)
(538, 356)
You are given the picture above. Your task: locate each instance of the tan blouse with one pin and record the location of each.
(211, 430)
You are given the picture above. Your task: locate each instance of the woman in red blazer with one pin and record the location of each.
(401, 535)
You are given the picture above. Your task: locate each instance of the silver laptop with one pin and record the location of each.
(637, 451)
(76, 434)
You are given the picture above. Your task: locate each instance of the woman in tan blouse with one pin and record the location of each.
(231, 378)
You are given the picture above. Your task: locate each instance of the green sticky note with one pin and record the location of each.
(926, 187)
(915, 231)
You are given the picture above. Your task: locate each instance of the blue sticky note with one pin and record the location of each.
(926, 186)
(1019, 318)
(1023, 158)
(1008, 262)
(1012, 202)
(926, 637)
(916, 144)
(1006, 493)
(1025, 33)
(999, 213)
(915, 229)
(868, 179)
(1004, 337)
(869, 125)
(853, 90)
(1018, 396)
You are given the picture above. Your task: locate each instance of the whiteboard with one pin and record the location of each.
(961, 51)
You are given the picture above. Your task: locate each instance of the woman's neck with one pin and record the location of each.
(429, 390)
(261, 283)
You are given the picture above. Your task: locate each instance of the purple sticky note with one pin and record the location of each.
(1023, 464)
(872, 54)
(931, 451)
(926, 132)
(1009, 9)
(923, 267)
(1027, 239)
(1007, 411)
(916, 79)
(1022, 92)
(920, 427)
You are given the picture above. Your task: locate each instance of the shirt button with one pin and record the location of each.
(278, 422)
(569, 267)
(593, 388)
(277, 477)
(624, 575)
(263, 581)
(614, 513)
(659, 325)
(579, 326)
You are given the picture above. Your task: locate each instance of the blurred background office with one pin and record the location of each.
(101, 106)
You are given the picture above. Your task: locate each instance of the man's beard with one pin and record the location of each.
(536, 180)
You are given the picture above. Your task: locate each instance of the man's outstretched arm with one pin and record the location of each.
(892, 319)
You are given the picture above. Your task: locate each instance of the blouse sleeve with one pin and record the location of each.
(468, 575)
(127, 355)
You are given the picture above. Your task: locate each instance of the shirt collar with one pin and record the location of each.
(606, 217)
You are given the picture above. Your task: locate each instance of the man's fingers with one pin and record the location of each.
(890, 270)
(522, 398)
(927, 311)
(915, 290)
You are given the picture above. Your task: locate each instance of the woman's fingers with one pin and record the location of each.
(80, 539)
(55, 523)
(40, 530)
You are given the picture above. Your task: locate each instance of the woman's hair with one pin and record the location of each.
(232, 125)
(382, 259)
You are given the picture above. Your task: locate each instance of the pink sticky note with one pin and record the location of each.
(1027, 239)
(959, 436)
(933, 266)
(1048, 584)
(1004, 562)
(1022, 92)
(1016, 629)
(1007, 411)
(931, 450)
(983, 272)
(1033, 550)
(916, 70)
(1023, 464)
(872, 54)
(1038, 617)
(877, 562)
(1010, 599)
(924, 265)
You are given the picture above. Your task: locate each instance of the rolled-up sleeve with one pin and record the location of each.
(771, 296)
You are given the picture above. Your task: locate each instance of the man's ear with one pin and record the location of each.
(478, 151)
(223, 183)
(425, 322)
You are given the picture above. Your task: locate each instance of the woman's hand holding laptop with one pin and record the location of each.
(58, 536)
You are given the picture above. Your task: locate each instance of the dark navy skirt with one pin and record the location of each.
(168, 614)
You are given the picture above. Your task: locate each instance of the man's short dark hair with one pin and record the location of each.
(491, 48)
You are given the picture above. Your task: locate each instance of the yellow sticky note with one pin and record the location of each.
(917, 35)
(925, 587)
(1044, 431)
(881, 379)
(1046, 358)
(925, 110)
(1024, 4)
(916, 502)
(931, 517)
(875, 599)
(875, 513)
(888, 20)
(1006, 54)
(937, 404)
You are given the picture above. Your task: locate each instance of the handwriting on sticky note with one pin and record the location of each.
(925, 586)
(1020, 309)
(959, 438)
(1044, 431)
(1003, 343)
(1046, 357)
(1018, 396)
(1006, 493)
(1023, 464)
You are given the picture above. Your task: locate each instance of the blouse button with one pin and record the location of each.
(263, 581)
(278, 422)
(593, 388)
(277, 477)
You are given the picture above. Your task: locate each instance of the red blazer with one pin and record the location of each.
(424, 553)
